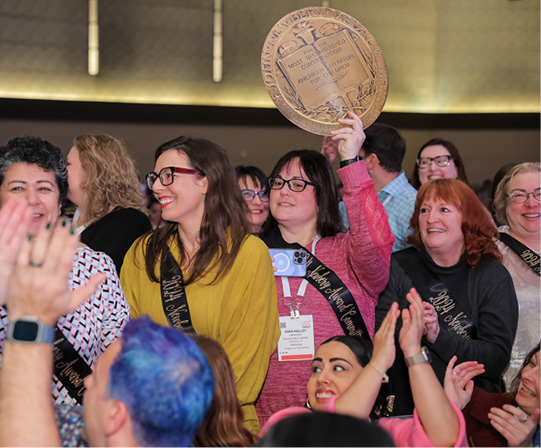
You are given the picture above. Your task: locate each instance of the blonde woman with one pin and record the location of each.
(517, 208)
(104, 185)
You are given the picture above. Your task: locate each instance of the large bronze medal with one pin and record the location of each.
(318, 63)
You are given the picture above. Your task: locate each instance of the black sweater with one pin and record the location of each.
(486, 294)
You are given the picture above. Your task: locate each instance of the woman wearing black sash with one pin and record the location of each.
(470, 304)
(516, 203)
(202, 271)
(345, 271)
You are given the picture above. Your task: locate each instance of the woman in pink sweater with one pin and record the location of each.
(345, 271)
(346, 381)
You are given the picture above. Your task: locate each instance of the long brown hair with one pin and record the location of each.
(224, 421)
(477, 226)
(110, 179)
(223, 228)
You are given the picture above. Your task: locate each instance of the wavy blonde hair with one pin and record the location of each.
(501, 201)
(110, 179)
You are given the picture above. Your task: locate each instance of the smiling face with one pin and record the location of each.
(524, 219)
(293, 209)
(38, 187)
(434, 171)
(334, 368)
(75, 176)
(258, 211)
(440, 226)
(183, 200)
(528, 390)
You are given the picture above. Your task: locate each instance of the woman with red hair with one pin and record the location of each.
(468, 296)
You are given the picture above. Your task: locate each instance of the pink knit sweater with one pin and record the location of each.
(361, 258)
(404, 431)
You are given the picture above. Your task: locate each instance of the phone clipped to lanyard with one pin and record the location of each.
(289, 262)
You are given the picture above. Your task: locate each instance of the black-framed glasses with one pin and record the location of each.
(249, 195)
(297, 185)
(520, 196)
(167, 175)
(441, 161)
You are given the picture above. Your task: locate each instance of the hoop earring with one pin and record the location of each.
(307, 404)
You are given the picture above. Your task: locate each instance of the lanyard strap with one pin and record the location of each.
(527, 255)
(69, 367)
(174, 300)
(300, 292)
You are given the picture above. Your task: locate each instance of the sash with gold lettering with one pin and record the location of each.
(69, 367)
(433, 290)
(174, 300)
(527, 255)
(329, 285)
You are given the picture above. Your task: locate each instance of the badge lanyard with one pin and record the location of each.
(299, 299)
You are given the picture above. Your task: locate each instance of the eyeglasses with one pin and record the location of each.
(520, 197)
(167, 175)
(249, 195)
(298, 185)
(441, 161)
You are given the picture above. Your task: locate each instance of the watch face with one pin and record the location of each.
(25, 331)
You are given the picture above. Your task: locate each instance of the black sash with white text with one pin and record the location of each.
(433, 290)
(69, 367)
(174, 300)
(330, 286)
(527, 255)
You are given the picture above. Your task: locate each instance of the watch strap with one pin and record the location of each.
(420, 358)
(347, 162)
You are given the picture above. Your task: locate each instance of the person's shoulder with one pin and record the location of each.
(89, 259)
(491, 266)
(254, 244)
(131, 215)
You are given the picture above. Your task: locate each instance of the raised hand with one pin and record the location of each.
(15, 217)
(412, 325)
(350, 138)
(38, 285)
(432, 325)
(458, 384)
(384, 345)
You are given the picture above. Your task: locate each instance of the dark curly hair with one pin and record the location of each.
(35, 151)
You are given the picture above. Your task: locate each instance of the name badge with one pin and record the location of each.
(297, 340)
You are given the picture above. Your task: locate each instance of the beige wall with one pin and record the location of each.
(484, 151)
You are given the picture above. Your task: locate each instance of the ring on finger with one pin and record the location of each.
(352, 131)
(35, 264)
(525, 419)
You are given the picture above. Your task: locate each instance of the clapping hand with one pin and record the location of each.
(39, 285)
(458, 384)
(514, 424)
(432, 326)
(412, 325)
(15, 217)
(384, 346)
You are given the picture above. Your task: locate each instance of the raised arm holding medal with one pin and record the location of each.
(345, 271)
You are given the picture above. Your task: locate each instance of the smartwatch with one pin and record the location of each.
(419, 358)
(29, 330)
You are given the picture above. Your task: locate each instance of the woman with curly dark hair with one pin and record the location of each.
(470, 303)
